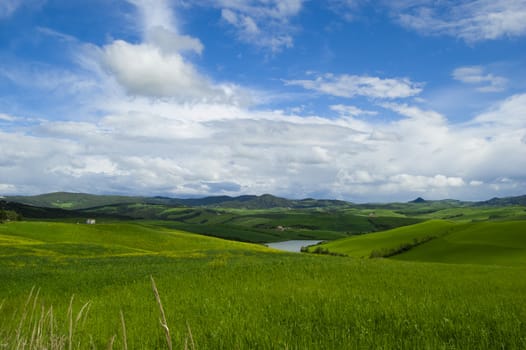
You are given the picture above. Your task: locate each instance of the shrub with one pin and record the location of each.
(404, 247)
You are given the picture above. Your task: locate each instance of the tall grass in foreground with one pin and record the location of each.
(39, 328)
(263, 302)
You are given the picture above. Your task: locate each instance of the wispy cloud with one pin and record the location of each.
(266, 24)
(360, 85)
(8, 7)
(349, 9)
(7, 118)
(472, 21)
(476, 75)
(346, 110)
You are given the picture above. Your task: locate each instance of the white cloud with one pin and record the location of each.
(263, 23)
(162, 146)
(355, 85)
(243, 23)
(88, 165)
(7, 118)
(146, 70)
(160, 28)
(415, 112)
(158, 67)
(172, 42)
(421, 183)
(476, 75)
(472, 21)
(345, 110)
(509, 113)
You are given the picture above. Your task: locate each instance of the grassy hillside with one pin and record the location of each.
(259, 226)
(60, 240)
(467, 214)
(490, 242)
(501, 243)
(226, 295)
(256, 225)
(362, 246)
(72, 201)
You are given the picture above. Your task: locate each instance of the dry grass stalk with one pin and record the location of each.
(164, 324)
(36, 326)
(124, 340)
(110, 343)
(72, 324)
(23, 318)
(70, 319)
(190, 336)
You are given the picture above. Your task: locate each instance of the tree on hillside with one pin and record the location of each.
(9, 215)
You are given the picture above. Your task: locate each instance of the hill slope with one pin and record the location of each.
(499, 243)
(493, 243)
(73, 201)
(362, 246)
(62, 240)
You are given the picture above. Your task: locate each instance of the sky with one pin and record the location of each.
(360, 100)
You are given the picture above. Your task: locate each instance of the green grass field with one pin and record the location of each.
(488, 242)
(498, 243)
(362, 246)
(227, 295)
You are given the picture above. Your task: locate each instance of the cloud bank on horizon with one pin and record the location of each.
(336, 99)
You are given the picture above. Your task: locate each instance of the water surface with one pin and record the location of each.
(292, 246)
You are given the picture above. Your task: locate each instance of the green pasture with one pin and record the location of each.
(256, 226)
(498, 242)
(488, 242)
(219, 294)
(362, 246)
(468, 214)
(70, 240)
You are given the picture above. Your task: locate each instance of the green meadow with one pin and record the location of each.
(81, 286)
(487, 243)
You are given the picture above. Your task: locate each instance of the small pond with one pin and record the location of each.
(291, 246)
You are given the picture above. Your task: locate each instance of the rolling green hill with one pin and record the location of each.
(72, 201)
(68, 200)
(259, 226)
(491, 242)
(52, 239)
(46, 213)
(362, 246)
(499, 243)
(256, 225)
(506, 201)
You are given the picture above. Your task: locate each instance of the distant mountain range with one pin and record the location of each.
(76, 201)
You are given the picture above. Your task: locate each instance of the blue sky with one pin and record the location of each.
(350, 99)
